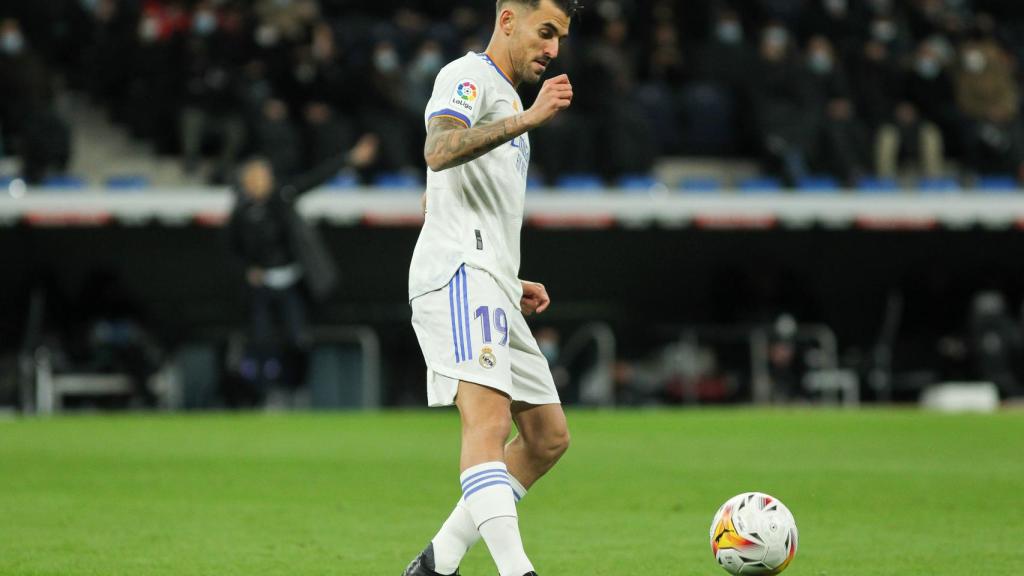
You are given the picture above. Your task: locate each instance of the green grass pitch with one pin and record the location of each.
(873, 492)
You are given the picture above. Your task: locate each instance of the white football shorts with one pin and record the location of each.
(470, 331)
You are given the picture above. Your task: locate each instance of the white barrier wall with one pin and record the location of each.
(384, 207)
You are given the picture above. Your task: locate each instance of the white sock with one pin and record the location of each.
(487, 493)
(502, 537)
(458, 533)
(456, 536)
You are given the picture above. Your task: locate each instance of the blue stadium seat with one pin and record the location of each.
(396, 180)
(343, 181)
(760, 185)
(873, 185)
(64, 182)
(997, 184)
(636, 182)
(818, 185)
(943, 185)
(701, 184)
(581, 182)
(127, 183)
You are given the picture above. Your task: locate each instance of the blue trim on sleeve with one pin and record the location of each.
(454, 114)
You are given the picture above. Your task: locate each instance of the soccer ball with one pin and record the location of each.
(753, 533)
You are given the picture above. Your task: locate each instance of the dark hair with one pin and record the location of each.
(570, 7)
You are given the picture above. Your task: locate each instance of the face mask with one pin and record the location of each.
(429, 61)
(729, 32)
(776, 36)
(386, 61)
(821, 63)
(12, 43)
(149, 30)
(927, 67)
(974, 61)
(204, 23)
(835, 6)
(942, 48)
(266, 36)
(883, 30)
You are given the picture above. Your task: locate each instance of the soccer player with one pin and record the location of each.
(468, 303)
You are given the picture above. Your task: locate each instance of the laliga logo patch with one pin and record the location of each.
(465, 95)
(487, 359)
(467, 91)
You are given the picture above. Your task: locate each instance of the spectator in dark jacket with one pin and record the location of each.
(900, 131)
(844, 141)
(782, 92)
(320, 87)
(930, 89)
(843, 21)
(725, 57)
(211, 105)
(278, 139)
(31, 127)
(282, 256)
(383, 106)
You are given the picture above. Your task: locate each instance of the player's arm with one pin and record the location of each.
(451, 143)
(360, 156)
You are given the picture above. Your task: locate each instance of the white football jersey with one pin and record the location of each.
(474, 210)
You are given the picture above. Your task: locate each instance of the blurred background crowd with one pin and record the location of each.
(274, 98)
(846, 89)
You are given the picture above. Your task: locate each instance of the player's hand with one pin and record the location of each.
(555, 95)
(535, 298)
(364, 152)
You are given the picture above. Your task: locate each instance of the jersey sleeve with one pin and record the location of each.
(459, 93)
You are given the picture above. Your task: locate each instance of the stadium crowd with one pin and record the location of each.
(847, 88)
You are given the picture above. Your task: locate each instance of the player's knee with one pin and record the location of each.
(553, 445)
(495, 426)
(560, 443)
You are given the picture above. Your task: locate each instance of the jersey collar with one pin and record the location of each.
(487, 58)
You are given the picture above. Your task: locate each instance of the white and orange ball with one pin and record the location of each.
(753, 534)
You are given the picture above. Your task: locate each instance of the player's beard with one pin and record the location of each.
(530, 72)
(527, 66)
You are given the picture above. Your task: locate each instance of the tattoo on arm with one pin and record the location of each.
(449, 143)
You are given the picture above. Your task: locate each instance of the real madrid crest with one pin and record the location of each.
(487, 358)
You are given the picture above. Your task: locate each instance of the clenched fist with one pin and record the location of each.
(555, 95)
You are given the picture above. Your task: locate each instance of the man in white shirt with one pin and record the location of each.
(467, 300)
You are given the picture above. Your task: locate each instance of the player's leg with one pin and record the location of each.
(543, 436)
(543, 433)
(459, 349)
(486, 416)
(542, 439)
(486, 488)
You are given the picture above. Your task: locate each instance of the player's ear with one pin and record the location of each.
(507, 20)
